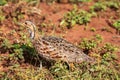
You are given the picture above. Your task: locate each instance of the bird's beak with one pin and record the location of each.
(21, 24)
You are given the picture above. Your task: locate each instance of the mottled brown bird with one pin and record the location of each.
(54, 48)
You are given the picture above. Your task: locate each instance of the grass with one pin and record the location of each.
(106, 66)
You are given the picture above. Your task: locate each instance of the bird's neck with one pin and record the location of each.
(34, 35)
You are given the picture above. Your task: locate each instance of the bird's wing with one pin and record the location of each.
(47, 50)
(67, 51)
(57, 48)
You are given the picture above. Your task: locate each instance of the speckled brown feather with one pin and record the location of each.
(54, 48)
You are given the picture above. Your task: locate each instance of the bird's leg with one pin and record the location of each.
(40, 65)
(71, 66)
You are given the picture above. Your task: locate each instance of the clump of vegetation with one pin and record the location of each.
(89, 45)
(15, 50)
(2, 17)
(3, 2)
(103, 5)
(104, 68)
(99, 6)
(113, 4)
(29, 73)
(116, 24)
(76, 16)
(93, 29)
(109, 48)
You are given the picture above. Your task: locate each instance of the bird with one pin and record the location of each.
(54, 48)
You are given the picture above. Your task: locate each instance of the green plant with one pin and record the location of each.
(2, 17)
(93, 29)
(16, 52)
(6, 44)
(3, 2)
(75, 17)
(108, 48)
(99, 6)
(117, 26)
(113, 4)
(98, 38)
(59, 70)
(89, 45)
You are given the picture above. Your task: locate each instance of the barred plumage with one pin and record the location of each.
(54, 48)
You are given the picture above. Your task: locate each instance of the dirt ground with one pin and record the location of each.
(54, 13)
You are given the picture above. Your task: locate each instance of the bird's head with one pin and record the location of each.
(31, 28)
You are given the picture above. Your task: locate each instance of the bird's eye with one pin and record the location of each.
(26, 23)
